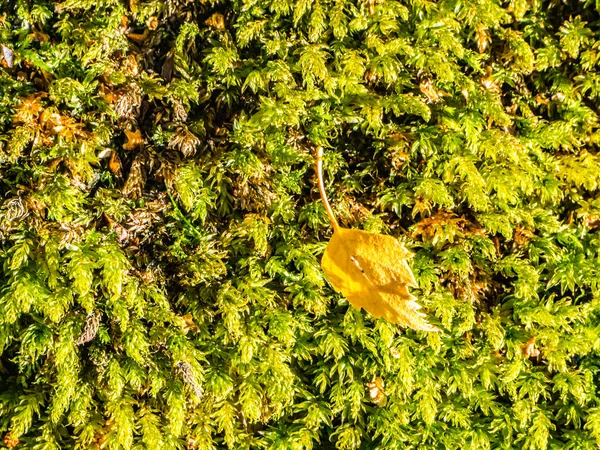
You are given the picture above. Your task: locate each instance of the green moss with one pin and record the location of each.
(161, 230)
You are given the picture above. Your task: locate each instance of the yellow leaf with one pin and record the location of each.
(372, 272)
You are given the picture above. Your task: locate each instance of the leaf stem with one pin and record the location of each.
(332, 218)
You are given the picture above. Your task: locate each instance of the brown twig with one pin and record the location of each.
(332, 218)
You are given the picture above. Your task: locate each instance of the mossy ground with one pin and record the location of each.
(161, 230)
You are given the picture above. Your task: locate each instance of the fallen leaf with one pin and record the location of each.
(372, 272)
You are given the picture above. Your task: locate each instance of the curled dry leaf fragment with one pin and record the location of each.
(189, 323)
(394, 352)
(529, 349)
(10, 441)
(115, 163)
(137, 37)
(152, 23)
(377, 392)
(371, 270)
(8, 55)
(216, 21)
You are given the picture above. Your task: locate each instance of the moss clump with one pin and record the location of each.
(161, 230)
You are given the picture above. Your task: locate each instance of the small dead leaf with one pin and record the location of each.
(137, 37)
(189, 323)
(115, 163)
(134, 140)
(522, 235)
(9, 441)
(216, 21)
(377, 392)
(530, 350)
(482, 36)
(372, 272)
(394, 352)
(8, 55)
(38, 36)
(152, 23)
